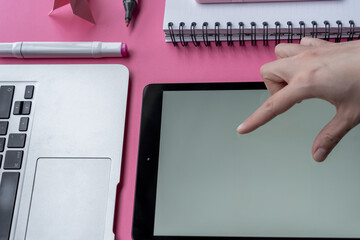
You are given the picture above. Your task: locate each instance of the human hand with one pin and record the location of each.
(313, 69)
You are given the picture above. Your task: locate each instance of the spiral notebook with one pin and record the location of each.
(186, 21)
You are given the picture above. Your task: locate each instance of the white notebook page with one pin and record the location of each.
(189, 11)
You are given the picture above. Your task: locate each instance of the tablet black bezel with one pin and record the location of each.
(147, 169)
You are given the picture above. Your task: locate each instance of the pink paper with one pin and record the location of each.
(79, 7)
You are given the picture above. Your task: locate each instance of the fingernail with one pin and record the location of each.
(320, 155)
(240, 127)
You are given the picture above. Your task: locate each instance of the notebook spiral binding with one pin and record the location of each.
(193, 35)
(352, 31)
(290, 32)
(205, 34)
(229, 34)
(241, 34)
(181, 34)
(253, 33)
(265, 34)
(240, 37)
(277, 33)
(217, 34)
(314, 29)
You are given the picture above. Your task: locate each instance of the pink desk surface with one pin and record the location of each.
(151, 60)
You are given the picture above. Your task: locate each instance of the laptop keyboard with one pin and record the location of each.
(14, 111)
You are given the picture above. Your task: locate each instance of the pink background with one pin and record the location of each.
(151, 60)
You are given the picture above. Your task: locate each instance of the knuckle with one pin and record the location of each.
(351, 119)
(304, 79)
(309, 77)
(331, 139)
(304, 40)
(279, 49)
(269, 108)
(308, 54)
(264, 71)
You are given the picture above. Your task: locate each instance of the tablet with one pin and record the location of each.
(198, 178)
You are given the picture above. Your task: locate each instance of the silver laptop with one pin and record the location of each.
(61, 138)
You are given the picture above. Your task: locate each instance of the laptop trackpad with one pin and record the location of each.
(69, 199)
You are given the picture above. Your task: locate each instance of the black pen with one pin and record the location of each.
(130, 6)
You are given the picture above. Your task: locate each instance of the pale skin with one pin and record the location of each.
(313, 69)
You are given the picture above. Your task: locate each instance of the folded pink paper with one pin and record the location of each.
(79, 7)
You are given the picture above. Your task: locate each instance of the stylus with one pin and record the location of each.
(63, 49)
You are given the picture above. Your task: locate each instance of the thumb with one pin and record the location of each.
(329, 137)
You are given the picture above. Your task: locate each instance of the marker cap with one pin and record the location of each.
(113, 49)
(124, 51)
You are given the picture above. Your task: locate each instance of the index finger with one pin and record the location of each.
(275, 105)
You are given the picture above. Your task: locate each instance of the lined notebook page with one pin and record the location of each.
(189, 11)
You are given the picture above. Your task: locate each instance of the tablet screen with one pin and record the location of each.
(211, 181)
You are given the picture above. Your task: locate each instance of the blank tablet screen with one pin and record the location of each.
(214, 182)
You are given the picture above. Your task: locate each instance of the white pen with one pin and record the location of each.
(63, 49)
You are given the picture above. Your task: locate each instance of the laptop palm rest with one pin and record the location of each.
(59, 211)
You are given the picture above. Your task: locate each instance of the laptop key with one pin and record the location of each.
(2, 144)
(24, 123)
(29, 92)
(16, 140)
(8, 190)
(3, 128)
(17, 108)
(26, 108)
(6, 97)
(1, 160)
(13, 159)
